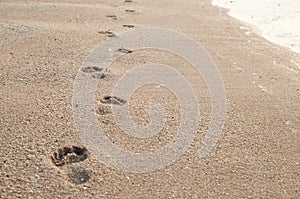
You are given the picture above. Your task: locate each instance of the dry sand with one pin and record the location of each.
(42, 47)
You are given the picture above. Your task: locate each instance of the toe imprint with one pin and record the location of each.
(91, 69)
(112, 100)
(123, 50)
(130, 10)
(98, 75)
(128, 26)
(67, 155)
(107, 33)
(94, 71)
(114, 17)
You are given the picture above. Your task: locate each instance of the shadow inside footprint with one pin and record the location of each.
(124, 50)
(96, 72)
(67, 155)
(114, 17)
(98, 75)
(79, 175)
(107, 33)
(112, 100)
(91, 69)
(128, 26)
(130, 11)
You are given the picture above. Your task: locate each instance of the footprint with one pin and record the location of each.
(114, 17)
(130, 11)
(94, 71)
(91, 69)
(128, 26)
(123, 50)
(112, 100)
(128, 1)
(98, 76)
(68, 155)
(107, 33)
(63, 159)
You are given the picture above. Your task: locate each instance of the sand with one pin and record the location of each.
(43, 44)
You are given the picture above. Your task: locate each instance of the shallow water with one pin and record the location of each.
(277, 20)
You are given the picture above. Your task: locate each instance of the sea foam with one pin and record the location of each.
(277, 20)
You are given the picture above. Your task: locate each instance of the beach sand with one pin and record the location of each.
(43, 44)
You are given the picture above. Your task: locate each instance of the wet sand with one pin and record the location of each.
(43, 45)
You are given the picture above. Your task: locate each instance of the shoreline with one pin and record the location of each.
(273, 21)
